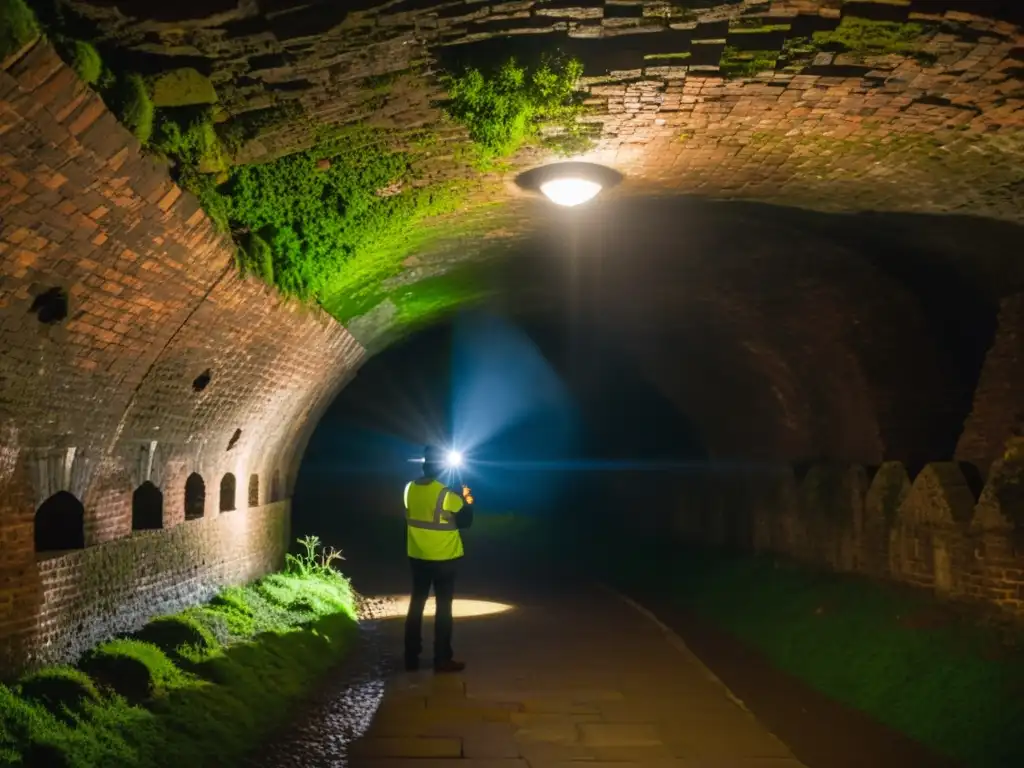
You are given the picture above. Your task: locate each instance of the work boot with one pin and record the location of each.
(448, 667)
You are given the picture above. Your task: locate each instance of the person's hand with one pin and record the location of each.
(467, 494)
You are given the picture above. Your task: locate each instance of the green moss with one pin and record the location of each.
(18, 26)
(84, 59)
(738, 63)
(169, 633)
(133, 106)
(680, 56)
(133, 669)
(504, 109)
(875, 37)
(59, 687)
(189, 137)
(953, 686)
(258, 259)
(214, 716)
(183, 87)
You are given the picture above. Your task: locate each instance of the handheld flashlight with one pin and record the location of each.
(453, 459)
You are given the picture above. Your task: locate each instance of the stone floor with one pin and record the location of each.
(579, 675)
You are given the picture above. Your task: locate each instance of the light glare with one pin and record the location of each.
(570, 192)
(454, 459)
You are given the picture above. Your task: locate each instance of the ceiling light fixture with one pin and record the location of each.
(569, 184)
(570, 192)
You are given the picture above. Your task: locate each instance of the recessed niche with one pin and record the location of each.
(51, 306)
(202, 381)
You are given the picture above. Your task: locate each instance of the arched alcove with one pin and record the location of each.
(147, 508)
(275, 486)
(254, 490)
(227, 493)
(60, 524)
(195, 497)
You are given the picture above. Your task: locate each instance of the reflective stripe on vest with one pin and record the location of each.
(443, 520)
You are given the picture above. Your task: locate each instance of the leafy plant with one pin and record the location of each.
(134, 107)
(505, 109)
(315, 560)
(18, 26)
(84, 59)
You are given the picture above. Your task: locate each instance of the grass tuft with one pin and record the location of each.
(158, 714)
(18, 26)
(57, 688)
(133, 106)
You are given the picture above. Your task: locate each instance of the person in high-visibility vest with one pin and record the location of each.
(434, 515)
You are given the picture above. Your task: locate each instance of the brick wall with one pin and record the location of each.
(939, 531)
(998, 412)
(164, 363)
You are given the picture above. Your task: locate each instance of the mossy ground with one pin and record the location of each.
(208, 703)
(948, 682)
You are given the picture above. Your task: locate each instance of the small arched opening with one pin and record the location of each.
(227, 493)
(60, 524)
(275, 486)
(254, 490)
(195, 497)
(147, 508)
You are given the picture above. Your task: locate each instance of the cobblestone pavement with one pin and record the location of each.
(556, 678)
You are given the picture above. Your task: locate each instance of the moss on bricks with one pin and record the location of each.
(61, 687)
(18, 27)
(132, 668)
(183, 87)
(169, 633)
(134, 106)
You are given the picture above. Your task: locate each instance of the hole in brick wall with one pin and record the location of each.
(275, 486)
(234, 439)
(202, 381)
(195, 497)
(227, 493)
(60, 523)
(254, 490)
(51, 306)
(147, 508)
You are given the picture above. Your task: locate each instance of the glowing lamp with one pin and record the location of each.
(453, 459)
(570, 192)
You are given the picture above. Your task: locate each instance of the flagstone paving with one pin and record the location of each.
(559, 679)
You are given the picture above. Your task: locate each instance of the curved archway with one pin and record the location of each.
(60, 524)
(195, 497)
(147, 508)
(254, 490)
(227, 493)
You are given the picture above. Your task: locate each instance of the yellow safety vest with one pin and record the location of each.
(430, 510)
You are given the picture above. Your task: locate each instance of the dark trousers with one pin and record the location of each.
(441, 575)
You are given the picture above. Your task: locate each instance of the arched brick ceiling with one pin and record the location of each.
(820, 349)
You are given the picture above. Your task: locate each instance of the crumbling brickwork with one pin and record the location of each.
(133, 353)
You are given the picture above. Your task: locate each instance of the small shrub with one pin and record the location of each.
(86, 62)
(169, 633)
(503, 110)
(258, 259)
(134, 107)
(134, 669)
(188, 137)
(59, 687)
(18, 26)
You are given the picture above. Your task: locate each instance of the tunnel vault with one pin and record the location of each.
(782, 161)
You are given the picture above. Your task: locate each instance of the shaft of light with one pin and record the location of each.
(570, 192)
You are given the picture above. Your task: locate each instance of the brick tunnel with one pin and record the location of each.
(257, 253)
